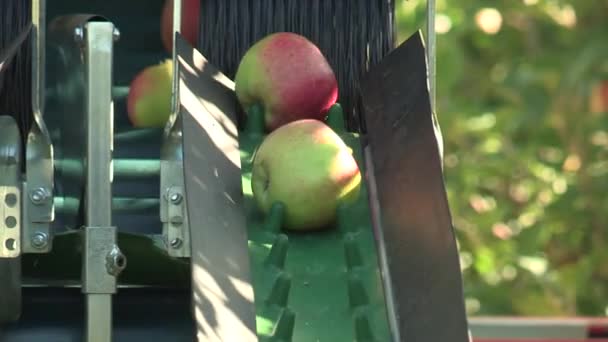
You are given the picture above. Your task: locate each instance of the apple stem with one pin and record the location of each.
(335, 118)
(274, 221)
(255, 120)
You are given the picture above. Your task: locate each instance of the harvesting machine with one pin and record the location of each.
(115, 233)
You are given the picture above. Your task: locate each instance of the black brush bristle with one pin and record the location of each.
(15, 80)
(353, 35)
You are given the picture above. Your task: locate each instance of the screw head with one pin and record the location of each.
(79, 35)
(116, 34)
(39, 196)
(176, 198)
(40, 240)
(176, 243)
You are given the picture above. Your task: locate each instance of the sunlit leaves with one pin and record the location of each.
(526, 150)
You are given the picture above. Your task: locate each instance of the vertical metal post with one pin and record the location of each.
(38, 57)
(431, 46)
(103, 260)
(173, 206)
(177, 26)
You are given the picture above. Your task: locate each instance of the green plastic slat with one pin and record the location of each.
(314, 286)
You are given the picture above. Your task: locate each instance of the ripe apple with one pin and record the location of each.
(149, 99)
(308, 168)
(190, 23)
(289, 77)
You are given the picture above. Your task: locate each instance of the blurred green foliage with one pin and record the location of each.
(525, 156)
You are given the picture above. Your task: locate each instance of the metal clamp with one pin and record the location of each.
(104, 260)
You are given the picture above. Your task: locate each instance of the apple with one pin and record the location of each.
(190, 23)
(289, 77)
(149, 99)
(307, 167)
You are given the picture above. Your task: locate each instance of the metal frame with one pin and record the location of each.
(536, 328)
(173, 204)
(33, 206)
(10, 219)
(39, 209)
(102, 258)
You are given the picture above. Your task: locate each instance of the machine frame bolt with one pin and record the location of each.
(116, 261)
(116, 34)
(79, 34)
(176, 243)
(175, 198)
(39, 195)
(40, 240)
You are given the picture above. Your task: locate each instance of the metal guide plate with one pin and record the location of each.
(10, 217)
(221, 280)
(10, 181)
(411, 204)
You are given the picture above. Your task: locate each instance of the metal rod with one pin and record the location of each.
(431, 48)
(38, 57)
(122, 168)
(99, 318)
(177, 24)
(100, 250)
(69, 205)
(136, 134)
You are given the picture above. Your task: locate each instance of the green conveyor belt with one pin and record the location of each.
(320, 286)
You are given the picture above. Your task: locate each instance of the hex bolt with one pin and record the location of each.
(116, 34)
(39, 196)
(40, 240)
(79, 34)
(176, 198)
(176, 243)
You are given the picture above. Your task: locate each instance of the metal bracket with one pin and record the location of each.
(174, 213)
(10, 216)
(38, 209)
(175, 219)
(173, 206)
(10, 193)
(10, 219)
(104, 260)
